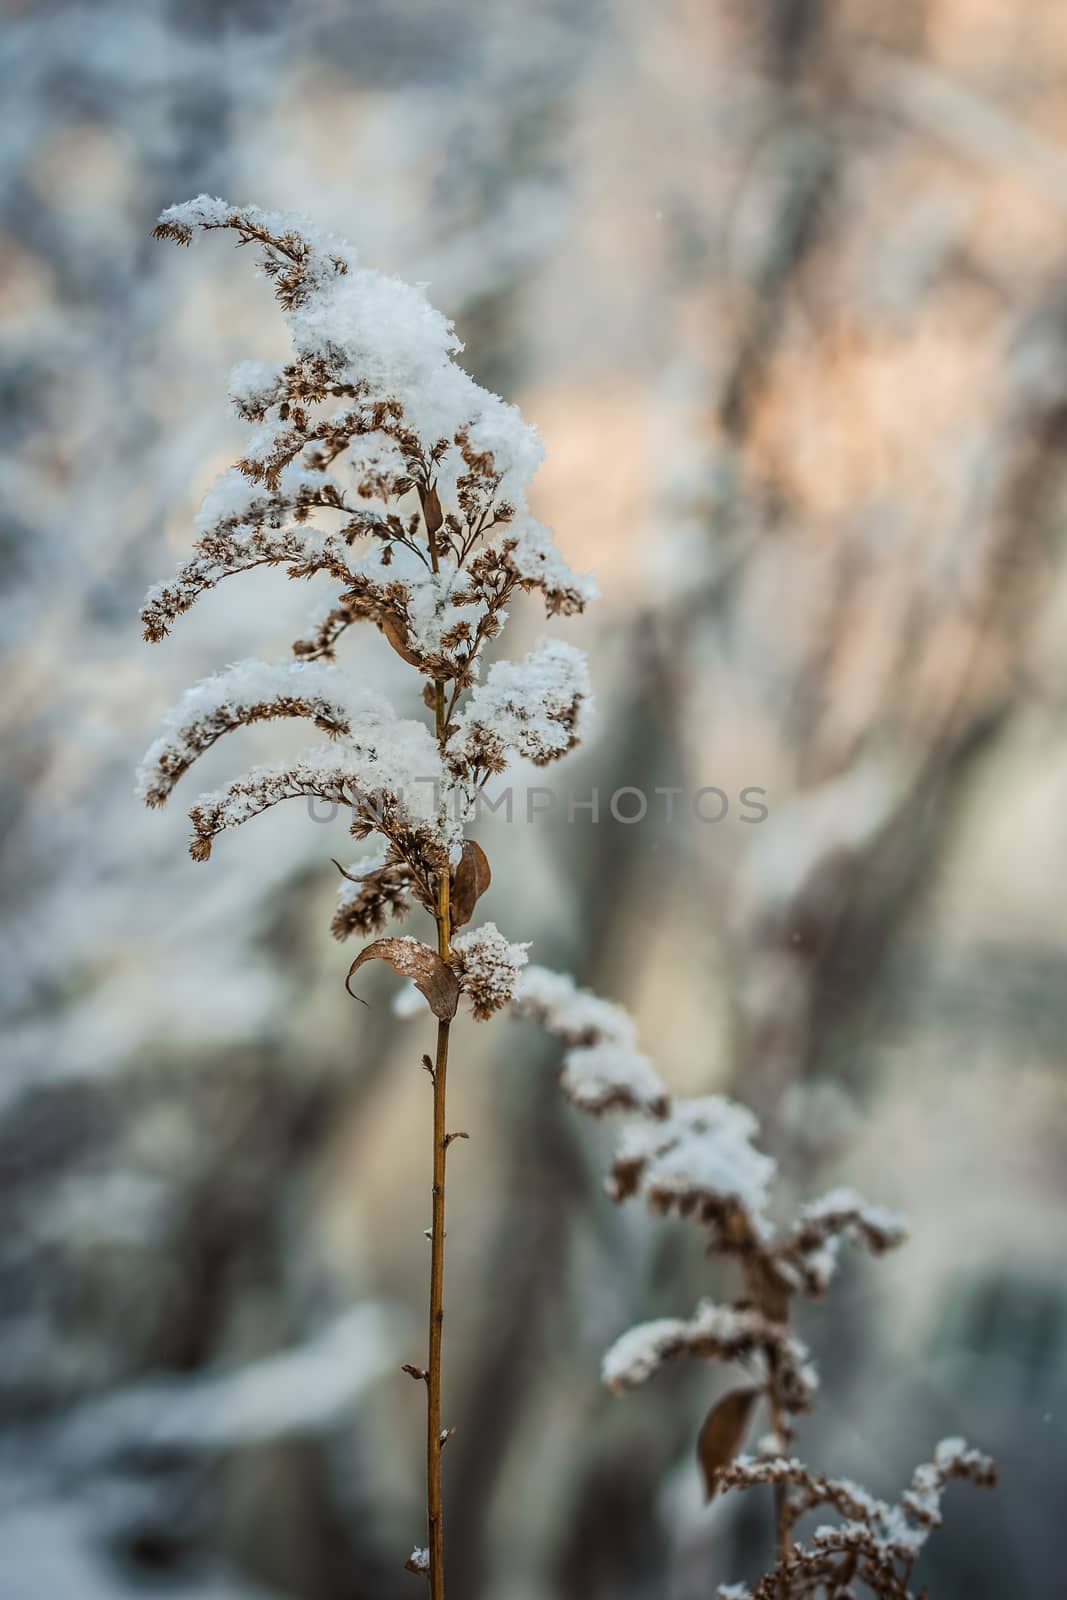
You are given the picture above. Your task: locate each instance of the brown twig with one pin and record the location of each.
(434, 1516)
(434, 1435)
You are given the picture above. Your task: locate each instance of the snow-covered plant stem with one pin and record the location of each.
(435, 1435)
(696, 1159)
(378, 464)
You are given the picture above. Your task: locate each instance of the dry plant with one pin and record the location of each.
(377, 461)
(695, 1158)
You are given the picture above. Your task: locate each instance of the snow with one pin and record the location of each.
(577, 1016)
(226, 699)
(382, 337)
(823, 1224)
(727, 1333)
(600, 1076)
(373, 393)
(381, 765)
(602, 1070)
(374, 752)
(253, 387)
(209, 211)
(426, 597)
(347, 890)
(951, 1452)
(846, 1202)
(490, 965)
(536, 557)
(386, 334)
(640, 1351)
(376, 889)
(231, 497)
(770, 1445)
(953, 1458)
(536, 708)
(888, 1532)
(222, 556)
(703, 1149)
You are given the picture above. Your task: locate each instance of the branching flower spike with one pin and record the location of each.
(696, 1158)
(376, 462)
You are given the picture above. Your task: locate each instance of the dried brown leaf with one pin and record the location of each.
(722, 1434)
(412, 959)
(470, 879)
(397, 634)
(431, 510)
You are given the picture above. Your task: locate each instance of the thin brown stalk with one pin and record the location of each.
(435, 1436)
(246, 523)
(434, 1431)
(783, 1522)
(783, 1532)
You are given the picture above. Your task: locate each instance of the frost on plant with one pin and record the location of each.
(695, 1158)
(871, 1543)
(488, 967)
(532, 708)
(376, 464)
(602, 1069)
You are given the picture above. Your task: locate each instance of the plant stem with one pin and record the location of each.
(782, 1520)
(435, 1524)
(770, 1295)
(434, 1435)
(434, 1431)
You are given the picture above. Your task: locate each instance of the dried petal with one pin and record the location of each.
(470, 880)
(417, 961)
(431, 510)
(723, 1433)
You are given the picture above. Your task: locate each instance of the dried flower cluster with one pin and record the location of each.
(378, 463)
(488, 967)
(602, 1070)
(873, 1543)
(695, 1158)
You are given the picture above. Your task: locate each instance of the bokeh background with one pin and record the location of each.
(784, 285)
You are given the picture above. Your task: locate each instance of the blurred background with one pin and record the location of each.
(784, 285)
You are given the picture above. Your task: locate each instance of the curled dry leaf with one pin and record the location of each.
(395, 630)
(415, 960)
(722, 1434)
(353, 877)
(470, 879)
(431, 511)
